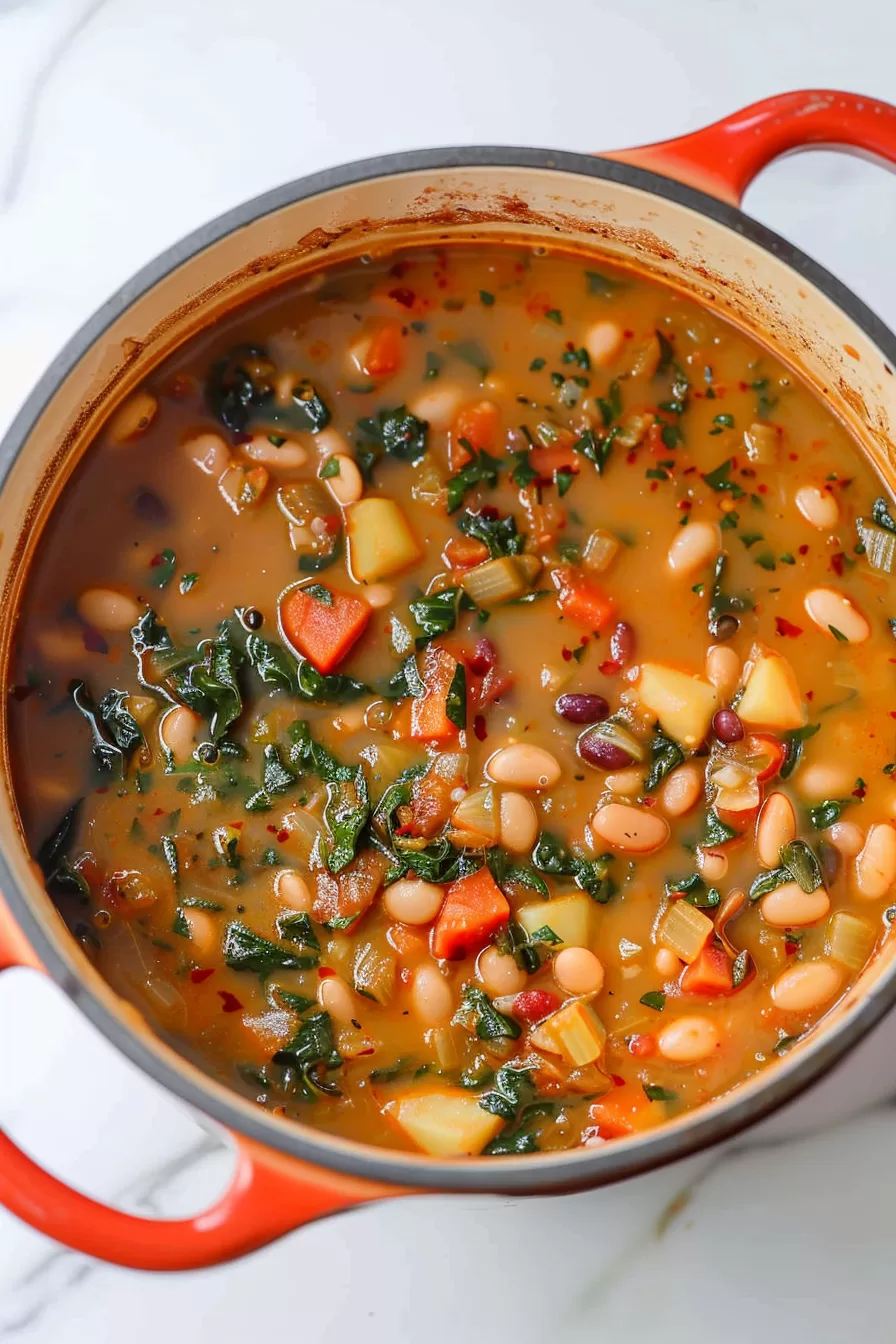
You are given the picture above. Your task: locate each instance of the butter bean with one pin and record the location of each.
(524, 766)
(806, 986)
(723, 670)
(499, 973)
(630, 829)
(688, 1039)
(337, 999)
(347, 485)
(788, 906)
(519, 822)
(693, 547)
(578, 971)
(776, 827)
(681, 789)
(410, 900)
(293, 891)
(818, 507)
(107, 609)
(603, 342)
(431, 996)
(177, 729)
(288, 455)
(832, 610)
(876, 864)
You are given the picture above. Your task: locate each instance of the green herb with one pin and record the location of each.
(537, 365)
(784, 1044)
(554, 315)
(802, 865)
(477, 1009)
(299, 1003)
(319, 593)
(552, 856)
(729, 521)
(827, 813)
(750, 538)
(665, 755)
(486, 298)
(765, 559)
(601, 285)
(330, 468)
(346, 813)
(308, 410)
(786, 559)
(719, 480)
(765, 402)
(180, 925)
(187, 582)
(694, 891)
(456, 701)
(397, 432)
(511, 1090)
(596, 450)
(480, 470)
(54, 848)
(523, 473)
(238, 385)
(162, 567)
(215, 680)
(248, 951)
(610, 406)
(763, 883)
(564, 480)
(510, 872)
(838, 635)
(500, 535)
(310, 1055)
(523, 1137)
(297, 928)
(653, 1092)
(722, 603)
(655, 999)
(793, 742)
(716, 831)
(435, 615)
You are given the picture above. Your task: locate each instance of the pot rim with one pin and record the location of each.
(572, 1169)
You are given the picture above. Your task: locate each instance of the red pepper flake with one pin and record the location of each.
(490, 512)
(787, 628)
(103, 789)
(810, 695)
(617, 1081)
(369, 1050)
(237, 825)
(94, 642)
(628, 335)
(480, 731)
(230, 1002)
(272, 829)
(610, 668)
(837, 562)
(157, 560)
(790, 948)
(566, 654)
(159, 812)
(859, 792)
(654, 485)
(762, 489)
(794, 457)
(804, 549)
(198, 976)
(648, 802)
(403, 296)
(684, 504)
(893, 713)
(631, 456)
(282, 837)
(485, 655)
(324, 972)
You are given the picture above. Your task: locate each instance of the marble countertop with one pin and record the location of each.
(122, 126)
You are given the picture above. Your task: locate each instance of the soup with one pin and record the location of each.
(452, 703)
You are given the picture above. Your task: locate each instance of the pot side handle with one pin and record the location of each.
(724, 158)
(269, 1194)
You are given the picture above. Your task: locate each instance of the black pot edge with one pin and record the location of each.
(549, 1172)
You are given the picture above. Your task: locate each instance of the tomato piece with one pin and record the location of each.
(581, 600)
(323, 624)
(642, 1045)
(429, 712)
(464, 552)
(768, 749)
(383, 354)
(473, 909)
(531, 1005)
(559, 457)
(710, 974)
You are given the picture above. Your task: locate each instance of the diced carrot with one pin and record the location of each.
(464, 552)
(559, 457)
(323, 624)
(710, 974)
(478, 425)
(625, 1110)
(429, 719)
(473, 909)
(383, 354)
(581, 600)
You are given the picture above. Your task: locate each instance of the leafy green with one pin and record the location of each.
(597, 450)
(272, 663)
(248, 951)
(500, 535)
(238, 385)
(482, 469)
(655, 999)
(508, 871)
(296, 927)
(276, 778)
(794, 747)
(665, 755)
(162, 568)
(472, 353)
(215, 679)
(716, 831)
(551, 855)
(522, 1138)
(653, 1092)
(511, 1090)
(694, 890)
(346, 813)
(719, 480)
(398, 433)
(456, 700)
(802, 865)
(880, 512)
(610, 406)
(309, 1055)
(722, 603)
(116, 733)
(435, 614)
(52, 851)
(601, 285)
(313, 757)
(827, 813)
(477, 1010)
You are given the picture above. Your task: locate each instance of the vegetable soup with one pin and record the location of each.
(452, 703)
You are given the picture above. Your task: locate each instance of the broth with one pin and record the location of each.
(452, 703)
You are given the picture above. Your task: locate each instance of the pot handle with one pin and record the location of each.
(724, 158)
(268, 1196)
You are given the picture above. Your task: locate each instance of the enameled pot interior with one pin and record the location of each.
(544, 199)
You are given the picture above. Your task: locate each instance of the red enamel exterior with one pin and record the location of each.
(270, 1195)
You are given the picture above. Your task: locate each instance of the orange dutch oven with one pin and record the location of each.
(670, 209)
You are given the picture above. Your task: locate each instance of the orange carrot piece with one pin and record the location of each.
(383, 355)
(623, 1111)
(581, 600)
(464, 552)
(323, 624)
(710, 974)
(429, 718)
(559, 457)
(473, 909)
(478, 425)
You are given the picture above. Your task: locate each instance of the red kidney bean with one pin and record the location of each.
(577, 707)
(727, 726)
(622, 643)
(605, 755)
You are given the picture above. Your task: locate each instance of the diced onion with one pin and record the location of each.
(500, 580)
(478, 815)
(600, 551)
(850, 940)
(684, 929)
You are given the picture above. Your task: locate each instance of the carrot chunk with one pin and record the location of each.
(477, 425)
(559, 457)
(429, 712)
(323, 624)
(473, 909)
(383, 355)
(623, 1111)
(710, 973)
(581, 600)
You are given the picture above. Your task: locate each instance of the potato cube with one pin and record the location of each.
(380, 540)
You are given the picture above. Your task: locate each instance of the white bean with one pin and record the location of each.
(524, 766)
(438, 405)
(347, 485)
(681, 789)
(209, 453)
(723, 670)
(876, 865)
(626, 782)
(293, 891)
(205, 931)
(847, 837)
(603, 342)
(834, 611)
(499, 973)
(177, 729)
(818, 507)
(826, 779)
(379, 595)
(808, 985)
(693, 547)
(688, 1039)
(789, 907)
(432, 998)
(776, 827)
(132, 418)
(337, 999)
(578, 971)
(666, 962)
(630, 829)
(288, 455)
(107, 609)
(519, 822)
(329, 441)
(410, 900)
(713, 864)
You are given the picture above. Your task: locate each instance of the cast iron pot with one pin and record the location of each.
(670, 209)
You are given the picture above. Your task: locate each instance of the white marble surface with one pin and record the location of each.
(124, 124)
